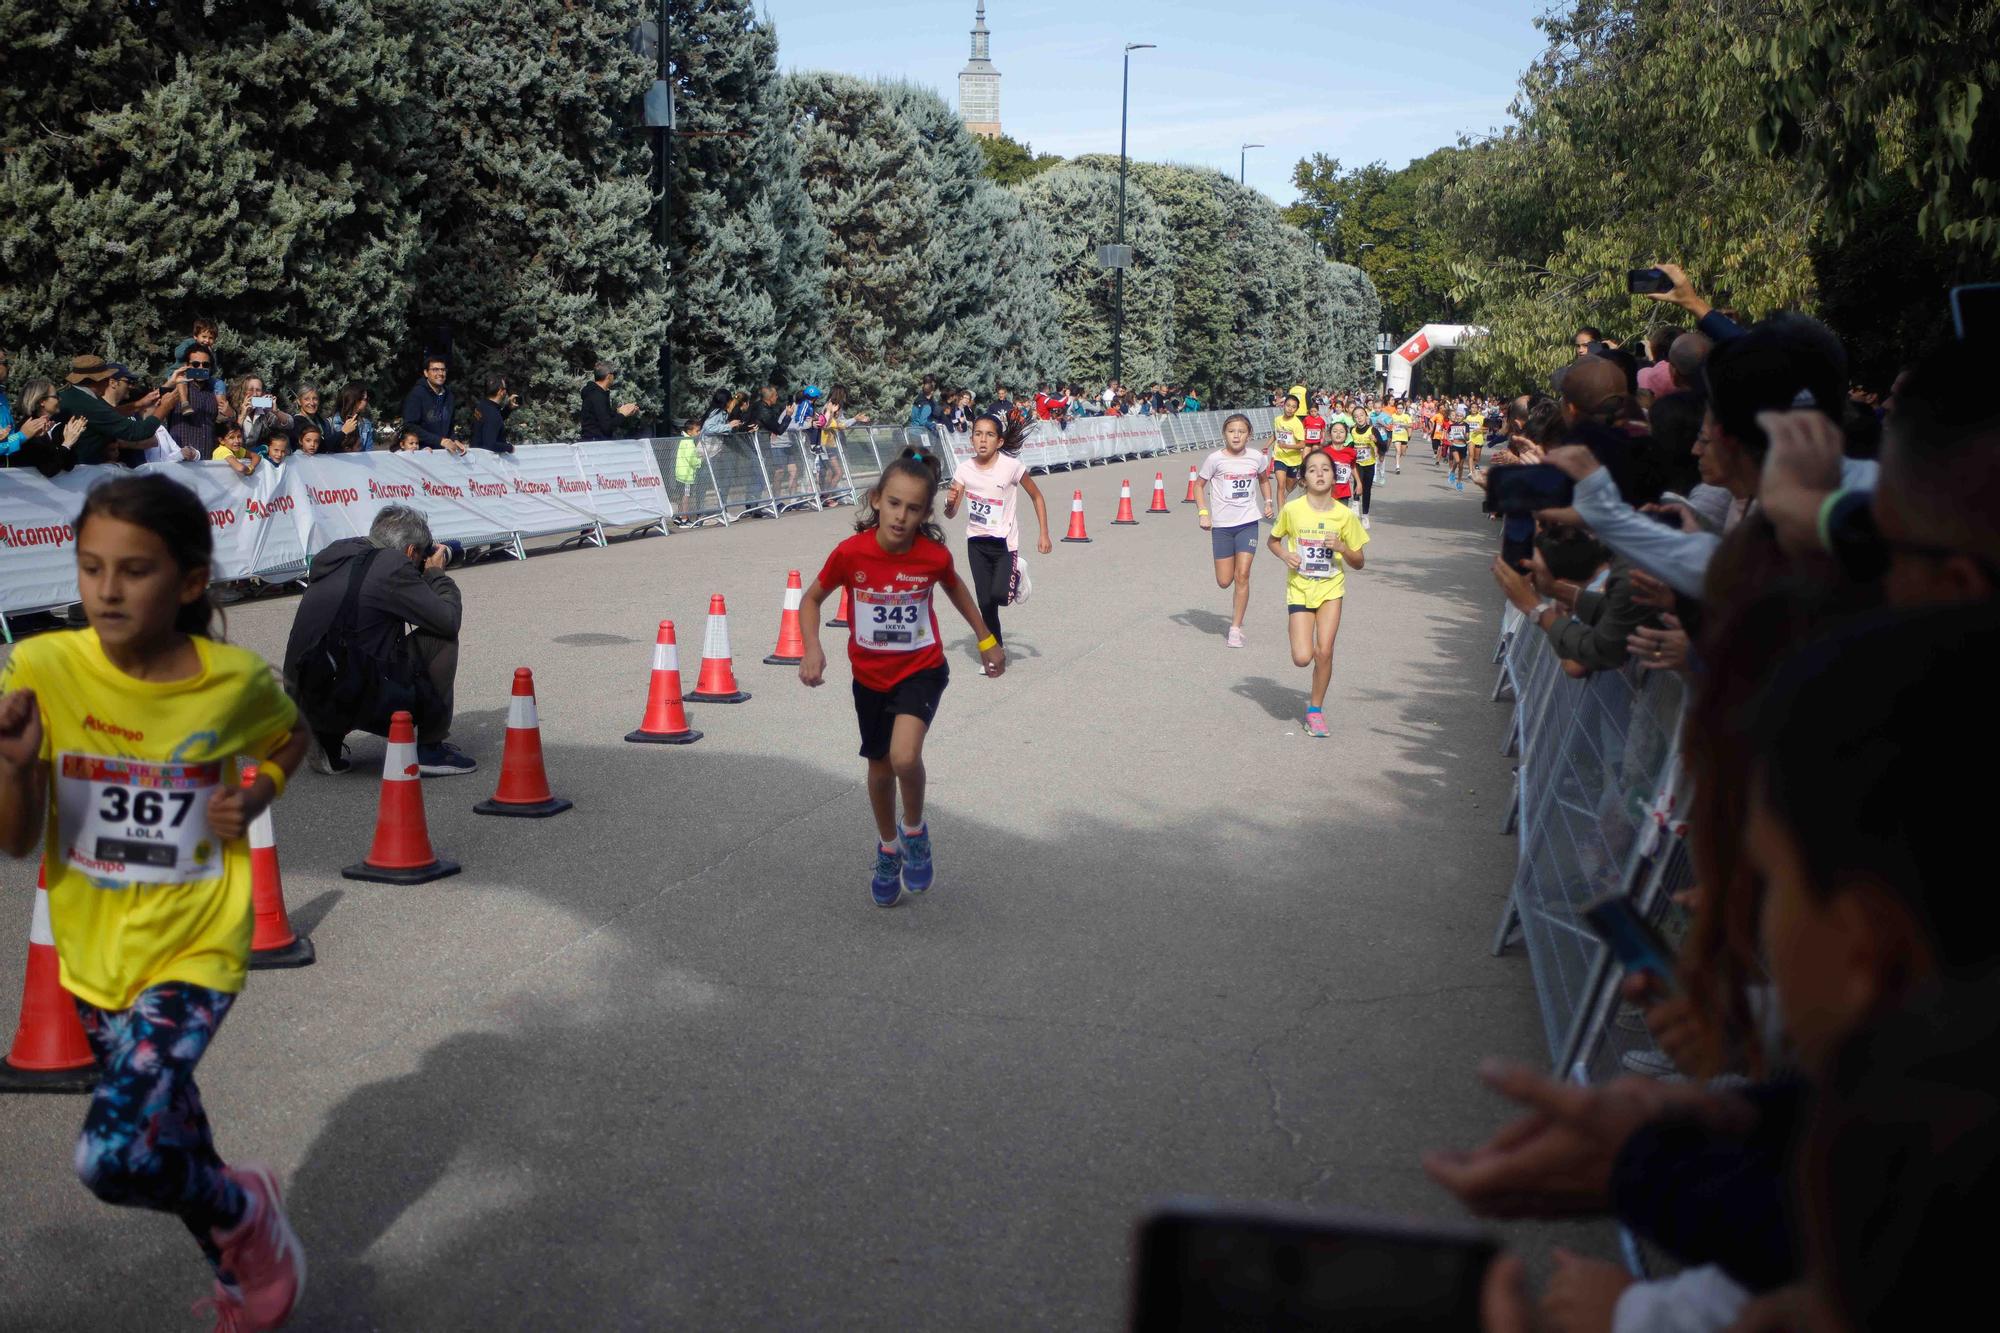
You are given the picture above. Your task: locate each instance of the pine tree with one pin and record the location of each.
(745, 251)
(1027, 316)
(861, 164)
(541, 256)
(242, 161)
(1079, 206)
(959, 244)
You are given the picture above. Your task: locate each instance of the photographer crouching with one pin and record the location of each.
(351, 663)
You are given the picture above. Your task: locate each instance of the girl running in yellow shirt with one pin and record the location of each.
(1324, 532)
(118, 752)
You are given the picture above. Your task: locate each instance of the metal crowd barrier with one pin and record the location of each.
(718, 479)
(1598, 784)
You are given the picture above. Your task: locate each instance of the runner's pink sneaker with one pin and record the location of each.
(263, 1252)
(1235, 639)
(227, 1307)
(1316, 723)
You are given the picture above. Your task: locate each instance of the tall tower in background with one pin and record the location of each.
(979, 85)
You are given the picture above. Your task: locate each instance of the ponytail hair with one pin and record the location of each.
(1235, 417)
(920, 463)
(174, 514)
(1013, 428)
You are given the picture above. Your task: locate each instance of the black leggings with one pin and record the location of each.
(992, 577)
(1366, 472)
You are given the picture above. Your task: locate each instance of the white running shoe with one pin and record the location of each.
(1364, 522)
(1235, 637)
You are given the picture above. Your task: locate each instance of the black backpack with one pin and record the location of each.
(343, 685)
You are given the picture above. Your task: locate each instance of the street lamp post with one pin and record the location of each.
(1242, 154)
(1118, 277)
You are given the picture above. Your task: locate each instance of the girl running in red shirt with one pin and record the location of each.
(890, 566)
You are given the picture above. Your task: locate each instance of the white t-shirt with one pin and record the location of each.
(989, 498)
(1233, 495)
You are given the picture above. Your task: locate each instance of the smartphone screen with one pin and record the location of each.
(1203, 1267)
(1975, 311)
(1639, 280)
(1514, 487)
(1633, 942)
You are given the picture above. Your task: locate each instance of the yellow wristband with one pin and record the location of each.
(990, 641)
(1202, 512)
(276, 775)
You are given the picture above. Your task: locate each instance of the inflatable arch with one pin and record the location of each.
(1428, 339)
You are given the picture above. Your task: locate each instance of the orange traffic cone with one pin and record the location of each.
(1124, 506)
(666, 719)
(1194, 486)
(791, 649)
(524, 782)
(273, 942)
(1076, 532)
(1159, 505)
(401, 853)
(840, 620)
(717, 682)
(50, 1052)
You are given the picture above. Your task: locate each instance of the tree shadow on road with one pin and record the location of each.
(1207, 622)
(1281, 701)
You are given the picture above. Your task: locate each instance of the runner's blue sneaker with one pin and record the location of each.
(918, 870)
(887, 886)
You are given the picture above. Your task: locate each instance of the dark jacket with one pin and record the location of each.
(1604, 620)
(108, 429)
(600, 419)
(1712, 1198)
(489, 426)
(429, 414)
(769, 417)
(396, 593)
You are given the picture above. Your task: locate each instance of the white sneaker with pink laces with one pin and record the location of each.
(263, 1252)
(1235, 639)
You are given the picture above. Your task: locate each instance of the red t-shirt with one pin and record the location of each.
(1315, 431)
(893, 630)
(1343, 457)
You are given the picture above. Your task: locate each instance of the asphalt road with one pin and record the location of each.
(659, 1062)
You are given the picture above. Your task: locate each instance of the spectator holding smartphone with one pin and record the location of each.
(602, 421)
(192, 423)
(260, 414)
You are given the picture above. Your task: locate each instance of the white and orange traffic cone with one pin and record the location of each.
(524, 782)
(401, 852)
(840, 620)
(1124, 518)
(791, 649)
(666, 721)
(1076, 532)
(273, 942)
(717, 682)
(50, 1052)
(1159, 505)
(1194, 486)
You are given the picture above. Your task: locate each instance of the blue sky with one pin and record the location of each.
(1359, 81)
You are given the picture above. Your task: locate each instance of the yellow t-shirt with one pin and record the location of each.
(1322, 573)
(140, 892)
(1476, 437)
(1295, 429)
(1400, 427)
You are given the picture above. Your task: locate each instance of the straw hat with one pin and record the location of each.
(90, 370)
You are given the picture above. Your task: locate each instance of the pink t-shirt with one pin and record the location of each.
(989, 498)
(1233, 495)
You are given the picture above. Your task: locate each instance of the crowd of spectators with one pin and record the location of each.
(1813, 1147)
(103, 412)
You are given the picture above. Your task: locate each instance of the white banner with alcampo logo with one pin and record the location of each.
(269, 523)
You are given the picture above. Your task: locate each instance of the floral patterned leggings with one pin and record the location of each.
(145, 1141)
